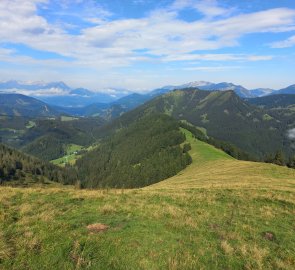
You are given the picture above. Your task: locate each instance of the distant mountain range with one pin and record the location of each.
(30, 107)
(107, 111)
(258, 130)
(225, 86)
(208, 86)
(111, 103)
(61, 99)
(227, 117)
(60, 94)
(280, 101)
(33, 86)
(288, 90)
(21, 105)
(261, 92)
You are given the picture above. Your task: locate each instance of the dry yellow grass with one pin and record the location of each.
(212, 168)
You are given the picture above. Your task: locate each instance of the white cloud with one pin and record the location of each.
(209, 8)
(212, 68)
(218, 57)
(39, 92)
(290, 42)
(291, 134)
(159, 36)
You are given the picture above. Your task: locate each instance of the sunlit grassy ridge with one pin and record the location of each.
(213, 168)
(218, 213)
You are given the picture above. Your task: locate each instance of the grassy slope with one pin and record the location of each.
(70, 157)
(214, 168)
(218, 213)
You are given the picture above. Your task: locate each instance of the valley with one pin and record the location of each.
(177, 182)
(252, 129)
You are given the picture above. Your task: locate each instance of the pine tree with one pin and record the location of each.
(291, 162)
(279, 158)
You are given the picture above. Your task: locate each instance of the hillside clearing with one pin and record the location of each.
(212, 168)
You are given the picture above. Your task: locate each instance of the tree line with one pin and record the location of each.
(142, 153)
(17, 166)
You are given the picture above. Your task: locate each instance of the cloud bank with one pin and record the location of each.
(291, 134)
(94, 38)
(159, 35)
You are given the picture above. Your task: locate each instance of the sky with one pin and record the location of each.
(145, 44)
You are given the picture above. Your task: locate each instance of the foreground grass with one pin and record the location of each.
(198, 229)
(218, 213)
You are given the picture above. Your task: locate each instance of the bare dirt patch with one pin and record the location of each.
(269, 236)
(97, 227)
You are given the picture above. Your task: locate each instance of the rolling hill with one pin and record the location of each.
(138, 154)
(213, 168)
(241, 122)
(261, 92)
(115, 109)
(49, 139)
(279, 101)
(208, 86)
(218, 213)
(221, 119)
(107, 111)
(18, 168)
(224, 116)
(288, 90)
(21, 105)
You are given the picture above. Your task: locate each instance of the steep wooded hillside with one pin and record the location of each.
(139, 154)
(21, 105)
(16, 166)
(274, 101)
(225, 116)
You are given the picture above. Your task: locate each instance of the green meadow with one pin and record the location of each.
(218, 213)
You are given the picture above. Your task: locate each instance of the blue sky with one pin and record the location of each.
(144, 44)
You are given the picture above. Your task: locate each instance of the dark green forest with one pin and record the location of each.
(20, 105)
(226, 117)
(17, 166)
(274, 101)
(47, 138)
(224, 146)
(145, 152)
(145, 145)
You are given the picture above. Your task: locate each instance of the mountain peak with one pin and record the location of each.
(209, 86)
(288, 90)
(197, 84)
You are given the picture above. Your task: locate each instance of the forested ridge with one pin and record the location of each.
(142, 153)
(17, 166)
(224, 146)
(20, 105)
(226, 117)
(145, 145)
(280, 101)
(48, 138)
